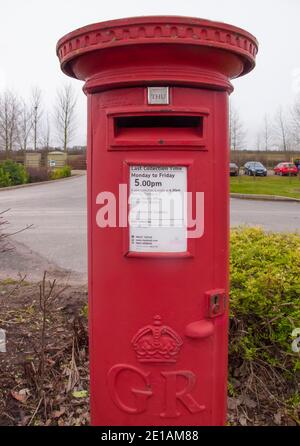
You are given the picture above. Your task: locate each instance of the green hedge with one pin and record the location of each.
(61, 172)
(5, 179)
(265, 297)
(12, 174)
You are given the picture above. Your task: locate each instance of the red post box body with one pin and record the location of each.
(157, 91)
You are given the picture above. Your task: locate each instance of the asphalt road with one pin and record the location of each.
(58, 215)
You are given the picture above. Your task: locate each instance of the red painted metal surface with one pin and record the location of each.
(158, 322)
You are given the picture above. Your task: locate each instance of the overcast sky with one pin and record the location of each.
(29, 30)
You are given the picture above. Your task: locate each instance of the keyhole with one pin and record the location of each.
(216, 305)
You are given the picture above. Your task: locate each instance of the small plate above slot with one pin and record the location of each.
(158, 95)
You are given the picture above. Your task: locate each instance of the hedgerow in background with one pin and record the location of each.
(12, 173)
(61, 172)
(265, 306)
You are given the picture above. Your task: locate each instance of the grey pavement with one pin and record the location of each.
(57, 212)
(276, 216)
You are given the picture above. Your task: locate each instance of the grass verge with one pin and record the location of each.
(272, 185)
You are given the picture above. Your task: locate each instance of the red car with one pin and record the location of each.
(285, 169)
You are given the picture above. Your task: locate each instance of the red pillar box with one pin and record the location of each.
(157, 90)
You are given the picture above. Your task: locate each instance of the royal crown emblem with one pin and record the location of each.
(157, 343)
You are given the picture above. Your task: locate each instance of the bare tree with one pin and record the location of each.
(267, 133)
(281, 130)
(36, 113)
(24, 125)
(46, 135)
(9, 115)
(65, 114)
(237, 130)
(258, 141)
(295, 122)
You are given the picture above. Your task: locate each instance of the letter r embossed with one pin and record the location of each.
(183, 395)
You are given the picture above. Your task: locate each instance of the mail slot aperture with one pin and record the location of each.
(163, 131)
(160, 121)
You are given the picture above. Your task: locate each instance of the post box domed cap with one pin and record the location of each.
(204, 35)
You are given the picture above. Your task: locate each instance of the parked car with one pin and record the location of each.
(286, 169)
(233, 169)
(255, 168)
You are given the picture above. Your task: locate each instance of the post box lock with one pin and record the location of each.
(216, 303)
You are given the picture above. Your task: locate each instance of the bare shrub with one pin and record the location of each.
(37, 174)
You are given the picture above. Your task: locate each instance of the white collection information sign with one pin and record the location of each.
(157, 209)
